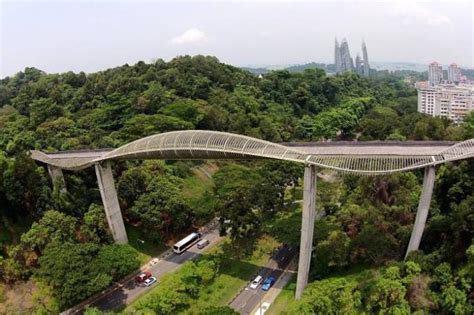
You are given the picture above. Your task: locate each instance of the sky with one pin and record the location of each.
(59, 36)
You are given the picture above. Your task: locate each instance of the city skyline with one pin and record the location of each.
(86, 36)
(343, 61)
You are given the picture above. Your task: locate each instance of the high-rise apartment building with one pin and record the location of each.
(454, 73)
(435, 73)
(445, 100)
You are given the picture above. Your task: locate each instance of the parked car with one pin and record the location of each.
(267, 284)
(143, 276)
(202, 243)
(148, 282)
(256, 282)
(154, 261)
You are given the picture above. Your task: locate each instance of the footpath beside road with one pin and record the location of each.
(250, 299)
(126, 291)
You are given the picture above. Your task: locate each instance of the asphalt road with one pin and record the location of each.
(248, 299)
(131, 290)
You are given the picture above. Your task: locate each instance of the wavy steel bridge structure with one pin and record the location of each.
(359, 158)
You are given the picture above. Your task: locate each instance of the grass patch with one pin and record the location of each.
(146, 249)
(231, 273)
(198, 192)
(197, 185)
(286, 296)
(2, 294)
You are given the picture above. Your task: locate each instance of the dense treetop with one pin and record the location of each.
(105, 109)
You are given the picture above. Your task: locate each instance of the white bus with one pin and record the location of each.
(186, 242)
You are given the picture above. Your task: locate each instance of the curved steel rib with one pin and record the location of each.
(201, 144)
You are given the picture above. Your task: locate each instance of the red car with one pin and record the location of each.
(143, 276)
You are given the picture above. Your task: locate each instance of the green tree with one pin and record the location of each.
(142, 125)
(168, 301)
(161, 209)
(329, 296)
(385, 294)
(54, 226)
(454, 301)
(26, 186)
(468, 126)
(235, 200)
(218, 310)
(76, 271)
(117, 260)
(332, 253)
(429, 128)
(154, 98)
(44, 109)
(131, 184)
(380, 123)
(186, 110)
(341, 120)
(95, 228)
(71, 272)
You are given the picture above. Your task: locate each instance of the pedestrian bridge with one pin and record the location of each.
(359, 158)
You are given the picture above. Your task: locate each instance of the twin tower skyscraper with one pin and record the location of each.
(344, 62)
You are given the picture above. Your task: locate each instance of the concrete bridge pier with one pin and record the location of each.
(307, 228)
(423, 208)
(57, 175)
(108, 193)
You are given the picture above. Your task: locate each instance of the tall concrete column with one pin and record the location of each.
(57, 175)
(108, 193)
(307, 228)
(423, 208)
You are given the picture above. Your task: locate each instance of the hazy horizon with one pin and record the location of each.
(59, 36)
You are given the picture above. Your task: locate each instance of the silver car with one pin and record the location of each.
(148, 282)
(202, 243)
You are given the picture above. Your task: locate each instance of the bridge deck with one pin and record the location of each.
(371, 148)
(363, 158)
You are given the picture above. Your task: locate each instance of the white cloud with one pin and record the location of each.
(191, 36)
(413, 13)
(265, 34)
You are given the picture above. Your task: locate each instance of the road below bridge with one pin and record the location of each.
(249, 299)
(127, 292)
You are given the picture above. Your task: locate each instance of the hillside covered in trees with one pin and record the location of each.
(48, 235)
